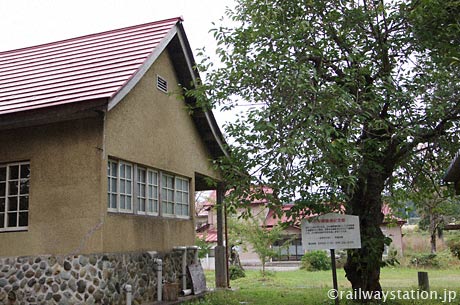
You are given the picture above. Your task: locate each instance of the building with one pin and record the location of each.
(289, 248)
(100, 158)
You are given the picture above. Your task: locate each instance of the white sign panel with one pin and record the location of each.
(331, 231)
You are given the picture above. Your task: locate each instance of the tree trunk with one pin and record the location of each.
(433, 233)
(363, 265)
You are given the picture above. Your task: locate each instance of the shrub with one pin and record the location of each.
(316, 261)
(425, 260)
(236, 272)
(392, 259)
(454, 246)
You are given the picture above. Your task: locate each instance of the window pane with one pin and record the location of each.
(178, 184)
(114, 185)
(12, 204)
(24, 186)
(114, 170)
(129, 172)
(122, 186)
(23, 221)
(13, 188)
(2, 204)
(14, 172)
(2, 220)
(2, 189)
(2, 174)
(122, 170)
(12, 220)
(128, 202)
(114, 201)
(122, 202)
(24, 203)
(128, 187)
(25, 171)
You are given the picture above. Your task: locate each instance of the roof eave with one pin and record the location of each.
(53, 114)
(453, 172)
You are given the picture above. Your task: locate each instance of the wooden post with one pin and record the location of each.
(220, 251)
(423, 282)
(334, 276)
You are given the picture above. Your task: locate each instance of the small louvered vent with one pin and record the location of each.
(162, 84)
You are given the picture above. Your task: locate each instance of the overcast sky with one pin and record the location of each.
(26, 23)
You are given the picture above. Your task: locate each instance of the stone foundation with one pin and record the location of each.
(86, 279)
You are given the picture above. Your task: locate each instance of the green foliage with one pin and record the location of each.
(316, 261)
(425, 260)
(203, 247)
(454, 246)
(236, 272)
(392, 258)
(253, 232)
(348, 102)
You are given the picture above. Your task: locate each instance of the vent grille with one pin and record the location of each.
(162, 84)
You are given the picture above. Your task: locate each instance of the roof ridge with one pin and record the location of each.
(177, 19)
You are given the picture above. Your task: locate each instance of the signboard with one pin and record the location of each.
(198, 279)
(331, 231)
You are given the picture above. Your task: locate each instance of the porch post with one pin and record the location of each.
(220, 249)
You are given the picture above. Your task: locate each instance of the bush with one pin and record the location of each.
(236, 272)
(425, 260)
(316, 261)
(454, 246)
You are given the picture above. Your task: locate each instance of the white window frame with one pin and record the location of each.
(180, 195)
(160, 196)
(164, 197)
(150, 192)
(126, 192)
(112, 180)
(17, 196)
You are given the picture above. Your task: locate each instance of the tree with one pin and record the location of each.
(345, 98)
(253, 232)
(435, 212)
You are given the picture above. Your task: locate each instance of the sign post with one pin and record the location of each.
(331, 231)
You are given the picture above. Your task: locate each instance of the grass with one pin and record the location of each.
(310, 288)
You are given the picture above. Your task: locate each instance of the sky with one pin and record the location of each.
(25, 23)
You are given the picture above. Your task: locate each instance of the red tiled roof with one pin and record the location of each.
(80, 69)
(210, 235)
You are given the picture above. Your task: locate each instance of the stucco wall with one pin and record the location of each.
(154, 129)
(395, 233)
(64, 203)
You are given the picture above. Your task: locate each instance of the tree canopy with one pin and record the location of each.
(347, 98)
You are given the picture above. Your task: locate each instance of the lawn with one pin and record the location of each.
(309, 288)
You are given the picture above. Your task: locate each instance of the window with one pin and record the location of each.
(182, 197)
(146, 190)
(167, 194)
(14, 196)
(120, 186)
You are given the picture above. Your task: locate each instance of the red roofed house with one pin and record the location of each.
(99, 161)
(293, 251)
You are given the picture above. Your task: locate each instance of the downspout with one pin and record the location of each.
(159, 269)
